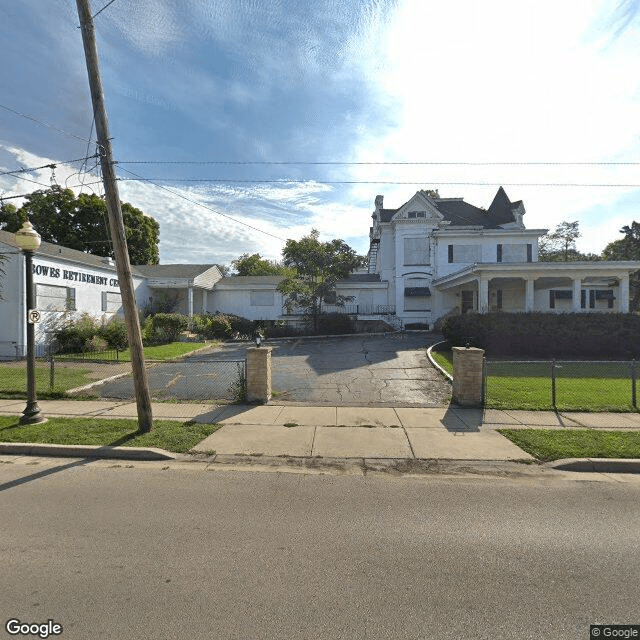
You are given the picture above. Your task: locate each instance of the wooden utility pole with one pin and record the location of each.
(116, 224)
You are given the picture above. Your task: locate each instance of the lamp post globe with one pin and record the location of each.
(28, 239)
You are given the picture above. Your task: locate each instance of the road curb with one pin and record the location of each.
(599, 465)
(84, 451)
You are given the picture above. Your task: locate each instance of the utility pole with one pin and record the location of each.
(116, 223)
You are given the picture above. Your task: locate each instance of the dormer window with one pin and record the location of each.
(416, 214)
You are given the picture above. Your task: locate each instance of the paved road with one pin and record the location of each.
(374, 371)
(150, 553)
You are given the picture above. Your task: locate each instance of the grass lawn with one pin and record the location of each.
(159, 352)
(171, 435)
(13, 381)
(604, 386)
(555, 444)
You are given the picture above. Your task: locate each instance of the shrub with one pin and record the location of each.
(75, 334)
(164, 327)
(115, 333)
(335, 324)
(548, 335)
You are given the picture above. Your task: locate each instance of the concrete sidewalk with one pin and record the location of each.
(450, 433)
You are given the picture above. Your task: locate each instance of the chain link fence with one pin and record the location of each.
(578, 385)
(107, 375)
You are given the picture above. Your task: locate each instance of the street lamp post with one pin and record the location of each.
(28, 239)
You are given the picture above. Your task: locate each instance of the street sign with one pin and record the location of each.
(33, 316)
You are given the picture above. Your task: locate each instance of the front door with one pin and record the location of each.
(467, 301)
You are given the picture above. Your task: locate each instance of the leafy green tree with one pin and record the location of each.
(317, 268)
(255, 265)
(560, 244)
(627, 248)
(82, 223)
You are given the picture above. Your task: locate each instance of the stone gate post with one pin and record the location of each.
(467, 376)
(259, 374)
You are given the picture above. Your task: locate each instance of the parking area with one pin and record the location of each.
(370, 371)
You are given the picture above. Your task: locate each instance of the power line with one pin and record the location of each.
(103, 8)
(345, 163)
(51, 165)
(179, 195)
(394, 182)
(44, 124)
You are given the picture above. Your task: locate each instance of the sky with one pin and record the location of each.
(238, 124)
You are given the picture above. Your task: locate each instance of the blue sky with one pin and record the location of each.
(358, 81)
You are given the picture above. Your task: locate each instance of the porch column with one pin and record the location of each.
(529, 296)
(577, 293)
(483, 295)
(204, 300)
(191, 302)
(623, 293)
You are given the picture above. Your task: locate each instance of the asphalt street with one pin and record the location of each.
(109, 551)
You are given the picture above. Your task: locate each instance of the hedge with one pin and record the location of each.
(547, 335)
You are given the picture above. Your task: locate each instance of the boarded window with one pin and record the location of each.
(416, 251)
(52, 298)
(514, 253)
(466, 253)
(417, 296)
(262, 298)
(111, 302)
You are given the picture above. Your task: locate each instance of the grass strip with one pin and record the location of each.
(171, 435)
(160, 352)
(13, 381)
(555, 444)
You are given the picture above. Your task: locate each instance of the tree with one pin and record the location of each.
(317, 268)
(560, 244)
(254, 265)
(627, 248)
(82, 223)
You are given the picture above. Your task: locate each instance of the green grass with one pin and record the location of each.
(556, 444)
(605, 386)
(171, 435)
(13, 381)
(160, 352)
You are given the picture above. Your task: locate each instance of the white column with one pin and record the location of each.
(204, 301)
(399, 297)
(191, 302)
(529, 295)
(577, 293)
(623, 293)
(483, 295)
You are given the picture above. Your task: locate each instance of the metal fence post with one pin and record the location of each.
(634, 377)
(484, 381)
(553, 383)
(52, 375)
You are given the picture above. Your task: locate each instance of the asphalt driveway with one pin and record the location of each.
(369, 371)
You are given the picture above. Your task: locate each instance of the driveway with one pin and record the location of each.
(369, 371)
(352, 371)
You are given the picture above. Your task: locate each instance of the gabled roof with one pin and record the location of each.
(460, 213)
(49, 250)
(172, 270)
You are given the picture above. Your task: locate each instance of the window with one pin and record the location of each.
(499, 299)
(499, 253)
(111, 302)
(416, 214)
(417, 296)
(529, 253)
(262, 298)
(514, 253)
(416, 251)
(465, 253)
(559, 294)
(52, 298)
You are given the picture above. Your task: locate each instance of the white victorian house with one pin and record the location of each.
(429, 258)
(441, 256)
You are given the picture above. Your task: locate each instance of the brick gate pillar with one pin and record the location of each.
(467, 376)
(259, 374)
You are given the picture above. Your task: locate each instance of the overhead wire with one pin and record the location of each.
(183, 197)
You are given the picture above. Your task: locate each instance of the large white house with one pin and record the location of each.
(428, 258)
